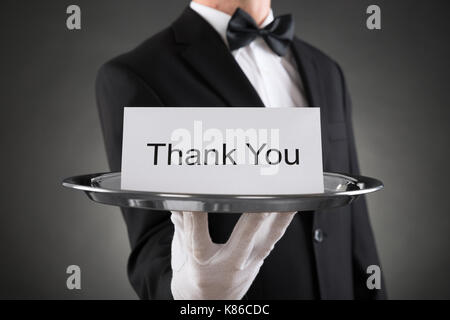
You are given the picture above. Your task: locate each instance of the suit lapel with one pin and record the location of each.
(205, 51)
(309, 73)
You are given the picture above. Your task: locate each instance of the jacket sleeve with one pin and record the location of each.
(150, 233)
(364, 250)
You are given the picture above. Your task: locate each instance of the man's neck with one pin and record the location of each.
(258, 9)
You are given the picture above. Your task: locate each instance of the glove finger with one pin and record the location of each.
(197, 235)
(177, 219)
(273, 231)
(178, 248)
(241, 242)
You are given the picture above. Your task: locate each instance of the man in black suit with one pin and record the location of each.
(323, 254)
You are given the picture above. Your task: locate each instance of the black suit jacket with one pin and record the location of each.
(188, 65)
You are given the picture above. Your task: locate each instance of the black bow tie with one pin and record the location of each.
(242, 30)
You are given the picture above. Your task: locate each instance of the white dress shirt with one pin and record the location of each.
(275, 78)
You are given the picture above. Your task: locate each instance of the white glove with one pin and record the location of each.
(206, 270)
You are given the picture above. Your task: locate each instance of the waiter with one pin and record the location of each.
(235, 53)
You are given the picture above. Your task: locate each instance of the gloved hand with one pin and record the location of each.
(206, 270)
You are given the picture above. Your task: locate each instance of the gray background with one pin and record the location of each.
(398, 78)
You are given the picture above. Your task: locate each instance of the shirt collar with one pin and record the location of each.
(219, 20)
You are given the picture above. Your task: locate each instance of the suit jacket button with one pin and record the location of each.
(318, 235)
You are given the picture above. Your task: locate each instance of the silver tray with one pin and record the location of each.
(340, 190)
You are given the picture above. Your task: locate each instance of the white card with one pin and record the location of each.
(222, 150)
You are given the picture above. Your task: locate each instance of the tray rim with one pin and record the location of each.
(370, 185)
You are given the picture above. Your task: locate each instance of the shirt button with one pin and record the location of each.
(318, 235)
